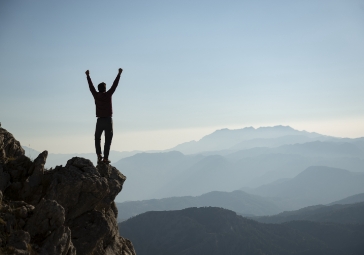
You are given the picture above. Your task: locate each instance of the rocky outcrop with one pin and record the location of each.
(9, 147)
(67, 210)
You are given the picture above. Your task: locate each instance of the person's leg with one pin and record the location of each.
(108, 137)
(98, 133)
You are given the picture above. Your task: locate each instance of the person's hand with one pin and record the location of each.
(87, 72)
(120, 70)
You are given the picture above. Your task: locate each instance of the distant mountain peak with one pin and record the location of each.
(258, 128)
(224, 139)
(277, 126)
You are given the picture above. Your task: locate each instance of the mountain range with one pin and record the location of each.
(315, 185)
(339, 213)
(350, 200)
(194, 175)
(212, 230)
(237, 201)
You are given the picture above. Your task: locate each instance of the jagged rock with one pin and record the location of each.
(102, 235)
(66, 210)
(19, 239)
(9, 147)
(47, 230)
(127, 247)
(26, 178)
(93, 210)
(4, 179)
(32, 187)
(59, 242)
(80, 177)
(37, 169)
(47, 217)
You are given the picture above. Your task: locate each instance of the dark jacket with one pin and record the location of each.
(103, 99)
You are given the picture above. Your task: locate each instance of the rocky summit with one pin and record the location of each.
(66, 210)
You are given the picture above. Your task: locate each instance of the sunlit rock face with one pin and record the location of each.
(66, 210)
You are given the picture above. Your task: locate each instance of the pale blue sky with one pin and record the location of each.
(190, 67)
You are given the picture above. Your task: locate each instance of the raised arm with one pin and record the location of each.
(90, 85)
(116, 82)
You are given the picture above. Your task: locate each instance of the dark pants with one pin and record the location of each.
(103, 124)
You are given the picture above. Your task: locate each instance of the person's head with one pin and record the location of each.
(102, 87)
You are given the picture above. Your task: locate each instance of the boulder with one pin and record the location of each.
(80, 187)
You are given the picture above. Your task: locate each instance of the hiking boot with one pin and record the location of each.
(106, 161)
(99, 158)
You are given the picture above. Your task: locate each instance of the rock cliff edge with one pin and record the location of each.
(67, 210)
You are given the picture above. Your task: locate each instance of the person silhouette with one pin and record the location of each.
(103, 104)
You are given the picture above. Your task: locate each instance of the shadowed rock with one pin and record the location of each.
(9, 147)
(47, 217)
(66, 210)
(80, 187)
(19, 240)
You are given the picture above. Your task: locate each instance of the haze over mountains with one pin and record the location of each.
(339, 213)
(315, 185)
(229, 160)
(250, 205)
(226, 169)
(237, 201)
(211, 230)
(350, 200)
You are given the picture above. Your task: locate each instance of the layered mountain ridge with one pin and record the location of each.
(237, 201)
(165, 174)
(315, 185)
(339, 213)
(225, 139)
(215, 231)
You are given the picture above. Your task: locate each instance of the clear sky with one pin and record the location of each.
(190, 67)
